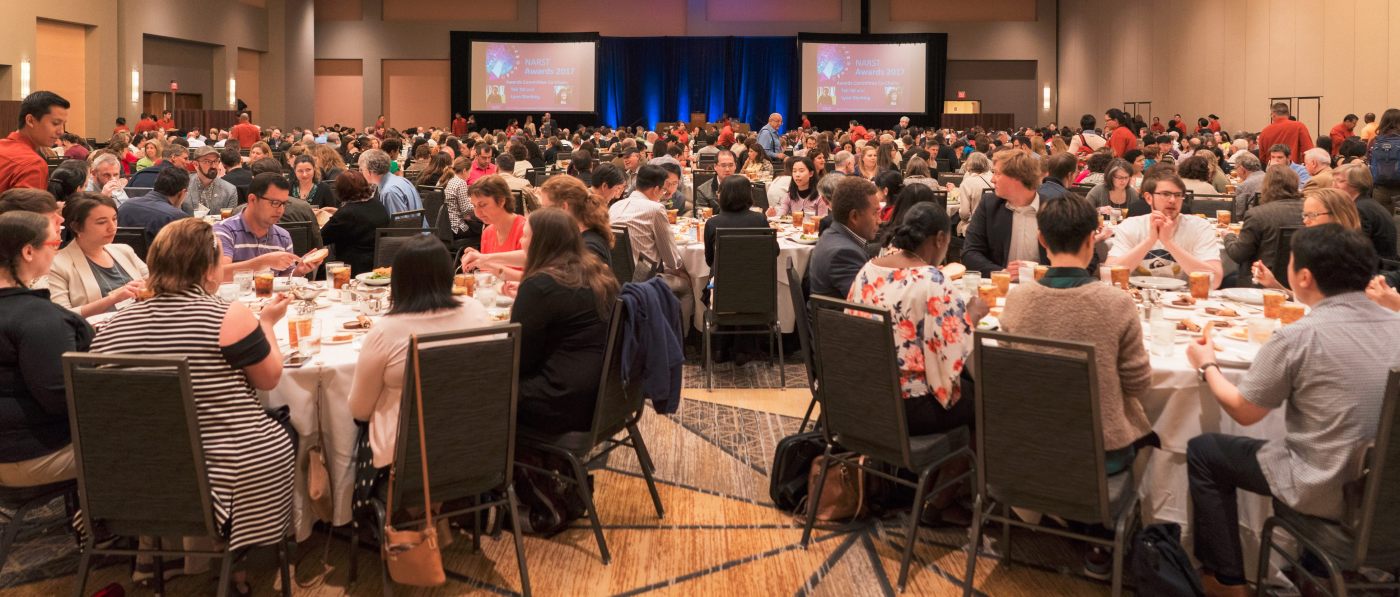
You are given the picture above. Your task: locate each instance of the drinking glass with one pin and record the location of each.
(1290, 312)
(262, 284)
(971, 280)
(1199, 283)
(1273, 303)
(244, 280)
(1002, 280)
(1026, 274)
(1260, 328)
(310, 332)
(1163, 336)
(228, 292)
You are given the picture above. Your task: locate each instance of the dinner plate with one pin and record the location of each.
(989, 322)
(1236, 353)
(803, 239)
(366, 279)
(1157, 282)
(1252, 296)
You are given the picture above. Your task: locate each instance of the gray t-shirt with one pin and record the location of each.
(1329, 371)
(109, 278)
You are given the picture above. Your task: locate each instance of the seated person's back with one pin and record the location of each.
(840, 251)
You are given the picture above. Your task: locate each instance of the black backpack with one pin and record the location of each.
(547, 504)
(1159, 565)
(792, 463)
(1385, 160)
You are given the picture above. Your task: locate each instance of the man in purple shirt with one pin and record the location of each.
(252, 240)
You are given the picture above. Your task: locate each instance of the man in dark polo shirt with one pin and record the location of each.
(252, 240)
(42, 115)
(152, 211)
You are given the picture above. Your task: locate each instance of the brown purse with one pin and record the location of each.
(318, 478)
(413, 557)
(842, 496)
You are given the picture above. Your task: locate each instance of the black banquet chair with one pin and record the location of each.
(623, 265)
(1042, 449)
(1372, 537)
(802, 324)
(745, 296)
(461, 466)
(141, 471)
(388, 241)
(134, 238)
(618, 409)
(863, 410)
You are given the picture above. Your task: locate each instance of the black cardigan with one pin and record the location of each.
(562, 339)
(34, 334)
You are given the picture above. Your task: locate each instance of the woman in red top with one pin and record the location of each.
(491, 199)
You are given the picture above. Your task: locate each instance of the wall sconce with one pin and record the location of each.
(135, 86)
(232, 93)
(1045, 98)
(24, 78)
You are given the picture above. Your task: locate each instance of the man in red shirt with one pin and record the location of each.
(726, 136)
(858, 132)
(1342, 132)
(379, 122)
(1122, 140)
(42, 115)
(1157, 126)
(1214, 123)
(459, 125)
(167, 121)
(483, 165)
(121, 126)
(1283, 131)
(147, 123)
(245, 133)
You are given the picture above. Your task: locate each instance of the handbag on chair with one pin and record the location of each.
(318, 478)
(414, 557)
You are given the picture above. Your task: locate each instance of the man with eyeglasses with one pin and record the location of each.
(252, 240)
(1163, 243)
(207, 186)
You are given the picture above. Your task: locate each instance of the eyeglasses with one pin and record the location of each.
(1170, 195)
(1313, 215)
(274, 204)
(53, 243)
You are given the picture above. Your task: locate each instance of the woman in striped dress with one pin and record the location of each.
(249, 456)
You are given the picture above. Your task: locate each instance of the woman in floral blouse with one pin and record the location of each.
(932, 325)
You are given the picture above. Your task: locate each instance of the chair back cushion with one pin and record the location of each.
(859, 379)
(623, 263)
(745, 276)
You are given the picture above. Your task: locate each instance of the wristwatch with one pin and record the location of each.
(1201, 371)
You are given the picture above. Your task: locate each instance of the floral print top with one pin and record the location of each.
(932, 335)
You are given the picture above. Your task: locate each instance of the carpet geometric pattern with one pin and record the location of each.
(721, 536)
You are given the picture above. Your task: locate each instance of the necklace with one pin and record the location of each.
(913, 255)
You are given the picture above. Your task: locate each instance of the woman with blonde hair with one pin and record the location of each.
(1320, 206)
(329, 161)
(869, 163)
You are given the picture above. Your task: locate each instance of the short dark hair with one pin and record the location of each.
(1061, 165)
(1340, 260)
(422, 279)
(606, 174)
(1064, 223)
(170, 181)
(38, 201)
(650, 177)
(1350, 118)
(262, 182)
(736, 194)
(852, 195)
(671, 168)
(1087, 122)
(505, 163)
(1281, 148)
(230, 157)
(38, 104)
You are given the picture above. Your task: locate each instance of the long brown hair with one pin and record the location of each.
(1280, 182)
(585, 207)
(556, 250)
(181, 256)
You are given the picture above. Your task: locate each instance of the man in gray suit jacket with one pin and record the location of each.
(841, 250)
(707, 194)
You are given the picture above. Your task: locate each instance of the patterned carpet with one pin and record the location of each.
(721, 534)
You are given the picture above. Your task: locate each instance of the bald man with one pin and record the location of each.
(769, 138)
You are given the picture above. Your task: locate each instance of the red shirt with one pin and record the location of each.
(1339, 133)
(806, 124)
(858, 132)
(120, 128)
(21, 165)
(1290, 133)
(167, 124)
(477, 172)
(459, 126)
(245, 134)
(1121, 141)
(1158, 127)
(726, 136)
(379, 124)
(1214, 125)
(146, 125)
(490, 243)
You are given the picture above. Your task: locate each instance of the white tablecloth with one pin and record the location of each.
(693, 257)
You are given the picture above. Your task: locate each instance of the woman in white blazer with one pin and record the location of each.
(92, 274)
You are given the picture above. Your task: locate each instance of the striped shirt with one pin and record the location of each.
(1329, 372)
(240, 244)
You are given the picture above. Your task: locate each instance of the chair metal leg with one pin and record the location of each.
(284, 553)
(80, 584)
(1266, 546)
(1120, 543)
(385, 583)
(476, 526)
(813, 499)
(811, 406)
(225, 573)
(644, 458)
(913, 533)
(709, 360)
(354, 551)
(782, 364)
(1006, 538)
(519, 542)
(159, 581)
(974, 546)
(581, 485)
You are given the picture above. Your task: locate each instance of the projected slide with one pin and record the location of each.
(532, 77)
(863, 77)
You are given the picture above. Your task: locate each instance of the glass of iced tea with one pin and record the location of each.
(1222, 217)
(1290, 312)
(1002, 280)
(809, 227)
(671, 215)
(707, 212)
(988, 294)
(226, 213)
(1273, 303)
(339, 273)
(797, 218)
(298, 327)
(1200, 284)
(1119, 275)
(262, 284)
(1040, 271)
(466, 281)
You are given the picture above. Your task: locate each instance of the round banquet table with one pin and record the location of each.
(692, 254)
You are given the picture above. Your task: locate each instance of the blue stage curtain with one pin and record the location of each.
(646, 80)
